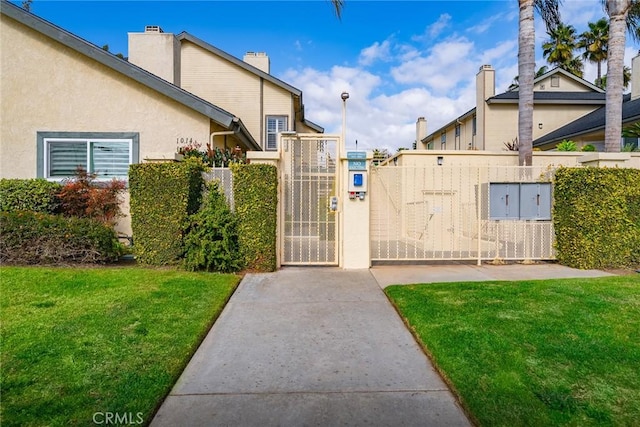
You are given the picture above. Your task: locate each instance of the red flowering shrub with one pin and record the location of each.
(84, 197)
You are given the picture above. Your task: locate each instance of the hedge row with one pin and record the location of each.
(255, 189)
(597, 217)
(39, 238)
(163, 195)
(37, 195)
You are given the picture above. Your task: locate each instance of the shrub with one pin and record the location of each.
(163, 195)
(255, 190)
(211, 239)
(589, 147)
(597, 217)
(83, 197)
(566, 145)
(38, 238)
(38, 195)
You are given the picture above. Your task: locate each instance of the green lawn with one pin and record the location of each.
(80, 341)
(535, 353)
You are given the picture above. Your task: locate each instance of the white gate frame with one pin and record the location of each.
(286, 139)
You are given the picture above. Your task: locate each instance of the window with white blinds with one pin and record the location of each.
(108, 158)
(275, 124)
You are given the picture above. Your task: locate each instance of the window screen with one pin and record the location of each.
(275, 124)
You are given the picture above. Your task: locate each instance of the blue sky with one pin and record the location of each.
(399, 60)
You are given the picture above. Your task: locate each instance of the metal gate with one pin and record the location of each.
(429, 213)
(310, 234)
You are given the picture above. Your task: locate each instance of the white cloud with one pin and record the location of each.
(377, 51)
(446, 64)
(408, 78)
(434, 30)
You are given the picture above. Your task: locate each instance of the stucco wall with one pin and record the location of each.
(78, 95)
(233, 88)
(565, 85)
(483, 158)
(502, 121)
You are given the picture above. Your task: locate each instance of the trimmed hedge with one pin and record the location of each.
(37, 195)
(163, 195)
(597, 217)
(255, 189)
(39, 238)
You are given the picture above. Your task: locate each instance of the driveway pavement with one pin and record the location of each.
(323, 346)
(310, 346)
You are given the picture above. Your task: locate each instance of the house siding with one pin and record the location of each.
(86, 97)
(233, 88)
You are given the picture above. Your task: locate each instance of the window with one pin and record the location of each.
(473, 125)
(457, 129)
(106, 154)
(430, 145)
(555, 81)
(443, 139)
(275, 124)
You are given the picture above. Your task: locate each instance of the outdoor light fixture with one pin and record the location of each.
(440, 160)
(344, 95)
(539, 125)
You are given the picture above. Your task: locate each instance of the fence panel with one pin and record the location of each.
(225, 179)
(442, 213)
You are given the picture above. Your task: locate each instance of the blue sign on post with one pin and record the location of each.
(357, 160)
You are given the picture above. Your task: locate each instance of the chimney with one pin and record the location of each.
(260, 60)
(157, 52)
(421, 129)
(485, 89)
(635, 77)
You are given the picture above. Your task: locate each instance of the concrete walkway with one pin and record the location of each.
(310, 346)
(407, 274)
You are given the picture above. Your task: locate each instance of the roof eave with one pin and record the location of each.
(122, 66)
(462, 117)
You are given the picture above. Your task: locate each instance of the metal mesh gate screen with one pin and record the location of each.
(442, 213)
(310, 229)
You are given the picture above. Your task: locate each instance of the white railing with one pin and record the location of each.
(225, 179)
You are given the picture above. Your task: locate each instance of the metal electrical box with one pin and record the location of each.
(517, 201)
(535, 201)
(357, 181)
(504, 201)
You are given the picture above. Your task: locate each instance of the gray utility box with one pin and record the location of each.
(517, 201)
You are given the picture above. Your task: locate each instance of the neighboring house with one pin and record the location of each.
(266, 104)
(66, 102)
(565, 107)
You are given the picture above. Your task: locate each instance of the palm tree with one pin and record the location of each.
(558, 50)
(548, 10)
(594, 42)
(337, 7)
(626, 79)
(514, 84)
(623, 15)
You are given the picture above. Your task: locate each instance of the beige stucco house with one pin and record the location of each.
(565, 107)
(66, 102)
(266, 104)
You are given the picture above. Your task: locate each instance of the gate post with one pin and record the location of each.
(355, 213)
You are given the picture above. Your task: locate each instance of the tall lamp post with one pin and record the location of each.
(344, 96)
